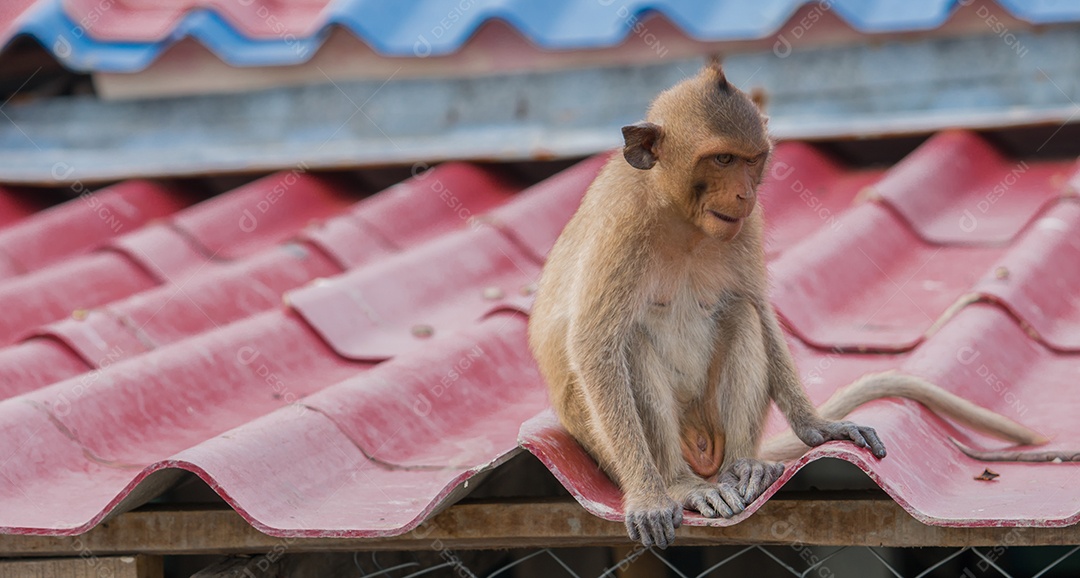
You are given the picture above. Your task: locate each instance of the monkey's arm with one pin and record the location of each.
(618, 405)
(785, 388)
(600, 350)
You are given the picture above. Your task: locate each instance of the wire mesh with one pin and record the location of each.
(758, 561)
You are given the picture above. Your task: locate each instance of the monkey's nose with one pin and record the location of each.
(744, 196)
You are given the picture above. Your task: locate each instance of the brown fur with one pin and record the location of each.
(652, 326)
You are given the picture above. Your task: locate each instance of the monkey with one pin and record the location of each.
(651, 323)
(653, 300)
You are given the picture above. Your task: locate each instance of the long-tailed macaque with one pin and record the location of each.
(653, 329)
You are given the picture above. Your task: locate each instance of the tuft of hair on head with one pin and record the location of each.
(715, 66)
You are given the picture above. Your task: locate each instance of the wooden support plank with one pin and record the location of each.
(86, 567)
(824, 519)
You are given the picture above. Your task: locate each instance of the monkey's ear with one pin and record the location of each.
(760, 98)
(640, 140)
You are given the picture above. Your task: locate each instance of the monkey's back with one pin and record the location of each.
(583, 243)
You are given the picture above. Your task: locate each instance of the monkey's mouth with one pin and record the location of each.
(723, 217)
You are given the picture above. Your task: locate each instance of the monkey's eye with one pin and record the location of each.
(725, 159)
(753, 161)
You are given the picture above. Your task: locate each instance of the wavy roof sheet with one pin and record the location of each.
(333, 365)
(118, 37)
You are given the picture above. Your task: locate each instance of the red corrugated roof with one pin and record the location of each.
(342, 367)
(77, 227)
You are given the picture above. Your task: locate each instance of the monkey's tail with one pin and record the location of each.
(944, 403)
(786, 446)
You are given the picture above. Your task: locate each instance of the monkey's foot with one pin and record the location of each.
(653, 522)
(750, 478)
(709, 499)
(860, 435)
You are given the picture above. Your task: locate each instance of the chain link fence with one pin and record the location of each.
(757, 561)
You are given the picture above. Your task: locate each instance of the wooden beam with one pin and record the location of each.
(86, 567)
(824, 519)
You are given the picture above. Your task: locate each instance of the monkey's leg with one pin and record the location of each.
(784, 387)
(742, 396)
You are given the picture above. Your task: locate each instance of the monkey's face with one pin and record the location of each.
(723, 189)
(705, 144)
(710, 145)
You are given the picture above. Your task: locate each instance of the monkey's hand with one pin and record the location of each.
(652, 521)
(860, 435)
